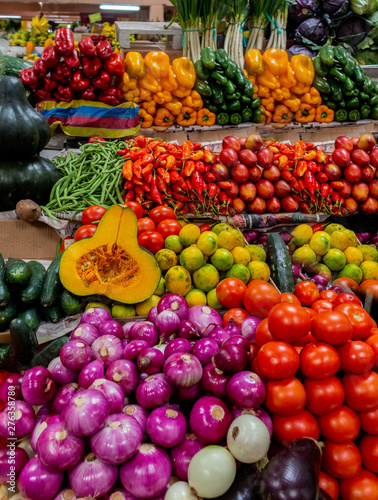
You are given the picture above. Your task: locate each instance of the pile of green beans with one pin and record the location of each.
(92, 177)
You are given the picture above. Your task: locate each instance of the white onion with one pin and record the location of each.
(248, 439)
(180, 491)
(211, 471)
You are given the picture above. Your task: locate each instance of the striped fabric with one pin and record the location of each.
(89, 118)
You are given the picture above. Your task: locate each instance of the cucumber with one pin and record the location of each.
(70, 303)
(49, 353)
(4, 290)
(22, 348)
(33, 290)
(280, 264)
(18, 272)
(51, 282)
(12, 66)
(53, 313)
(31, 317)
(7, 313)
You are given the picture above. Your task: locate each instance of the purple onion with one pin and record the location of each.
(177, 345)
(147, 473)
(321, 287)
(95, 316)
(60, 373)
(320, 280)
(126, 329)
(143, 330)
(139, 413)
(249, 327)
(10, 386)
(263, 239)
(230, 358)
(259, 413)
(40, 427)
(75, 354)
(363, 237)
(251, 236)
(210, 419)
(204, 350)
(38, 482)
(152, 315)
(167, 323)
(232, 328)
(38, 386)
(154, 391)
(189, 393)
(187, 330)
(111, 327)
(218, 334)
(92, 477)
(205, 319)
(150, 360)
(62, 396)
(86, 333)
(117, 493)
(296, 272)
(90, 373)
(124, 373)
(238, 340)
(112, 392)
(246, 390)
(66, 494)
(286, 236)
(374, 239)
(108, 348)
(58, 448)
(166, 427)
(174, 303)
(124, 342)
(183, 370)
(44, 411)
(337, 289)
(118, 440)
(14, 458)
(85, 413)
(182, 454)
(134, 348)
(214, 381)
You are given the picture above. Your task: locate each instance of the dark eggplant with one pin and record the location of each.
(245, 485)
(293, 474)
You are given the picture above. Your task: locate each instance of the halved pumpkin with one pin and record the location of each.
(111, 262)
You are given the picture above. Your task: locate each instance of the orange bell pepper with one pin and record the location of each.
(134, 65)
(281, 94)
(305, 114)
(182, 92)
(132, 95)
(174, 106)
(268, 103)
(268, 79)
(263, 91)
(164, 118)
(169, 82)
(303, 68)
(184, 71)
(324, 114)
(146, 120)
(287, 78)
(292, 103)
(187, 117)
(145, 95)
(150, 83)
(150, 107)
(276, 60)
(205, 118)
(254, 63)
(162, 97)
(193, 100)
(312, 97)
(157, 63)
(300, 88)
(282, 114)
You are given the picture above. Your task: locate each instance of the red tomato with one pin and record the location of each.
(285, 397)
(260, 298)
(230, 292)
(85, 231)
(237, 314)
(135, 207)
(361, 391)
(324, 395)
(321, 306)
(307, 293)
(359, 319)
(303, 341)
(341, 425)
(169, 227)
(319, 361)
(329, 484)
(278, 360)
(362, 486)
(263, 334)
(347, 298)
(288, 322)
(330, 295)
(145, 224)
(373, 343)
(356, 357)
(310, 312)
(288, 429)
(256, 369)
(341, 460)
(151, 241)
(92, 214)
(369, 451)
(332, 327)
(369, 420)
(289, 298)
(160, 213)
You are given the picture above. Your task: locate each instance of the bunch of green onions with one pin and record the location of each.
(189, 17)
(261, 10)
(213, 11)
(278, 38)
(233, 44)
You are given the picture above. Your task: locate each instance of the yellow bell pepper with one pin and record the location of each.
(252, 79)
(281, 94)
(132, 96)
(268, 79)
(162, 97)
(157, 63)
(193, 100)
(268, 103)
(276, 60)
(268, 115)
(150, 83)
(169, 82)
(175, 106)
(263, 91)
(134, 65)
(292, 103)
(150, 107)
(133, 83)
(287, 79)
(305, 113)
(145, 95)
(282, 114)
(181, 92)
(187, 117)
(125, 79)
(253, 61)
(245, 73)
(324, 114)
(312, 97)
(300, 88)
(164, 118)
(303, 68)
(146, 120)
(205, 118)
(184, 71)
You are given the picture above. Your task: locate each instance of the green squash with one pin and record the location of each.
(24, 131)
(32, 179)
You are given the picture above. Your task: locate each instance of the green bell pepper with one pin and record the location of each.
(359, 75)
(235, 118)
(248, 88)
(321, 85)
(212, 108)
(245, 101)
(330, 104)
(348, 84)
(231, 69)
(234, 107)
(337, 73)
(374, 113)
(365, 98)
(202, 72)
(327, 55)
(365, 110)
(222, 108)
(208, 57)
(255, 103)
(354, 115)
(247, 114)
(215, 75)
(218, 95)
(202, 88)
(341, 104)
(336, 92)
(320, 68)
(235, 95)
(373, 100)
(368, 85)
(353, 103)
(206, 101)
(349, 66)
(341, 115)
(340, 54)
(352, 93)
(258, 115)
(240, 78)
(221, 58)
(222, 119)
(229, 87)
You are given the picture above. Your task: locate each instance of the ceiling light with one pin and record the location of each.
(112, 6)
(9, 17)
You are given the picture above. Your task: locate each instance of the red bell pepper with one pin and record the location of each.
(40, 68)
(73, 60)
(61, 72)
(89, 94)
(79, 81)
(102, 80)
(114, 65)
(50, 57)
(49, 84)
(113, 96)
(64, 93)
(104, 49)
(41, 94)
(29, 77)
(91, 66)
(64, 41)
(87, 47)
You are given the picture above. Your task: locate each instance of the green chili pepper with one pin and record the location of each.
(208, 57)
(327, 55)
(231, 70)
(320, 68)
(337, 74)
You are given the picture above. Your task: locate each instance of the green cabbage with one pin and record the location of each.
(364, 7)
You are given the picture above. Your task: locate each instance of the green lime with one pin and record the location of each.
(304, 256)
(256, 252)
(351, 271)
(222, 259)
(189, 234)
(207, 242)
(226, 239)
(173, 242)
(161, 287)
(222, 226)
(259, 270)
(212, 300)
(206, 277)
(368, 252)
(191, 258)
(320, 242)
(334, 259)
(340, 240)
(196, 297)
(302, 234)
(239, 271)
(122, 310)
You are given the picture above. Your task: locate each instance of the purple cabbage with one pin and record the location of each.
(312, 32)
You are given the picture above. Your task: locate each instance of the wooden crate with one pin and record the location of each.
(123, 31)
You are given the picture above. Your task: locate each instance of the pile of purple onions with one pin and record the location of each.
(123, 408)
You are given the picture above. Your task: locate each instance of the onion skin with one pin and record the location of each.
(246, 390)
(231, 358)
(214, 381)
(60, 373)
(175, 303)
(86, 333)
(91, 372)
(138, 413)
(40, 427)
(183, 370)
(108, 348)
(182, 454)
(154, 391)
(124, 373)
(210, 419)
(166, 427)
(38, 386)
(86, 413)
(95, 316)
(112, 392)
(23, 419)
(13, 380)
(38, 482)
(92, 477)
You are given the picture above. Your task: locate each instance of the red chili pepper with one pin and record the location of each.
(301, 183)
(311, 155)
(208, 157)
(283, 162)
(193, 208)
(140, 199)
(147, 169)
(321, 177)
(163, 174)
(336, 197)
(137, 169)
(209, 177)
(299, 150)
(196, 146)
(224, 184)
(139, 190)
(312, 167)
(161, 184)
(141, 141)
(186, 150)
(336, 184)
(212, 190)
(171, 162)
(177, 189)
(200, 167)
(296, 197)
(304, 207)
(295, 184)
(309, 182)
(286, 175)
(324, 190)
(136, 181)
(128, 185)
(146, 187)
(188, 169)
(300, 169)
(321, 157)
(197, 182)
(174, 176)
(129, 196)
(309, 146)
(189, 186)
(155, 194)
(223, 197)
(204, 227)
(182, 183)
(95, 139)
(180, 197)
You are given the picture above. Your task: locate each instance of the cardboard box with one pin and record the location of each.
(24, 240)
